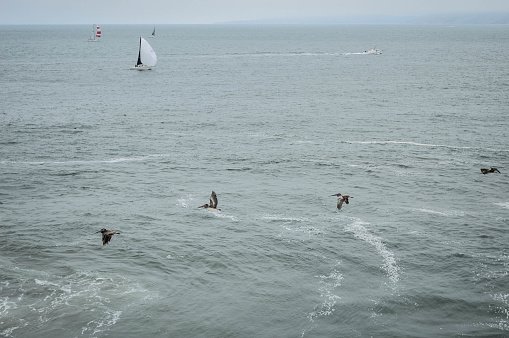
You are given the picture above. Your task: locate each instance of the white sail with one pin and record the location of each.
(147, 55)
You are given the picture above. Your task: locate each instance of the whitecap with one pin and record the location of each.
(408, 143)
(328, 285)
(6, 305)
(44, 282)
(113, 160)
(220, 214)
(440, 213)
(504, 205)
(429, 211)
(8, 332)
(185, 202)
(389, 265)
(276, 218)
(428, 145)
(57, 293)
(102, 324)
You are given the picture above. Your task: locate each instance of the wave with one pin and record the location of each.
(389, 265)
(279, 218)
(328, 284)
(428, 145)
(502, 322)
(189, 202)
(293, 224)
(492, 272)
(186, 202)
(221, 214)
(84, 162)
(408, 143)
(504, 205)
(310, 231)
(96, 326)
(440, 213)
(38, 297)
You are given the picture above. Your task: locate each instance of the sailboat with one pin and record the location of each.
(96, 33)
(147, 58)
(153, 35)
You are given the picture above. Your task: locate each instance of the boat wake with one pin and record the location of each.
(262, 54)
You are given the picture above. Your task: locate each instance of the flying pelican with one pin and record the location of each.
(341, 199)
(107, 234)
(212, 202)
(490, 170)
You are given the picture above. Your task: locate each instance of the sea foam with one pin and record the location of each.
(389, 265)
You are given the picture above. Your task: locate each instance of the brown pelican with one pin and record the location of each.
(107, 234)
(490, 170)
(341, 199)
(212, 202)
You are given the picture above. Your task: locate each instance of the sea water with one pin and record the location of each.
(274, 119)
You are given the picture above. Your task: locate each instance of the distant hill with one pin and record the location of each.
(462, 19)
(435, 19)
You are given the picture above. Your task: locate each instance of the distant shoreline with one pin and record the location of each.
(431, 19)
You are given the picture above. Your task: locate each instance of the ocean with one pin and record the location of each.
(275, 120)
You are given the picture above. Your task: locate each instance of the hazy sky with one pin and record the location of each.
(212, 11)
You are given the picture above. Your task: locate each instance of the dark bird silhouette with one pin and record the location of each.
(490, 170)
(342, 199)
(107, 234)
(212, 202)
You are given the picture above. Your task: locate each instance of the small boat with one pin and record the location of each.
(96, 33)
(153, 35)
(147, 58)
(373, 51)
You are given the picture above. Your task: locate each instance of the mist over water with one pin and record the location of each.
(274, 119)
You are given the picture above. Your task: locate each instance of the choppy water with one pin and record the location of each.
(275, 119)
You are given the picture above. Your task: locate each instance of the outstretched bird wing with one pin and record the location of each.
(108, 234)
(340, 203)
(213, 200)
(107, 237)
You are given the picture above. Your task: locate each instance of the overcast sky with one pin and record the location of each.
(214, 11)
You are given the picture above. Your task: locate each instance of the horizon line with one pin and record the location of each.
(466, 18)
